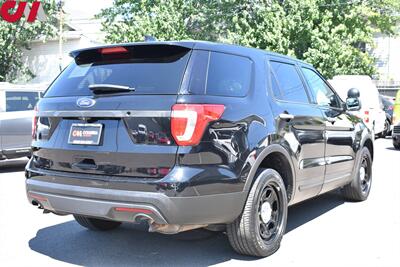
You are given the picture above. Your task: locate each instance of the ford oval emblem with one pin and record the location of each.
(85, 102)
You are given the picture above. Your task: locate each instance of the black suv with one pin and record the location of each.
(189, 135)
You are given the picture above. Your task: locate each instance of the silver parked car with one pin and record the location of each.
(17, 103)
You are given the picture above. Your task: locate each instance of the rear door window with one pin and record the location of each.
(148, 69)
(219, 74)
(21, 101)
(287, 84)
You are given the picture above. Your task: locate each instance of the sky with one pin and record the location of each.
(85, 9)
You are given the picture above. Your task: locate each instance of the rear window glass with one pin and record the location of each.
(21, 101)
(219, 74)
(148, 69)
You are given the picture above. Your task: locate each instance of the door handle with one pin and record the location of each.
(331, 120)
(286, 116)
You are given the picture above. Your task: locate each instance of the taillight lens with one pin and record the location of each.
(188, 121)
(34, 123)
(113, 50)
(366, 116)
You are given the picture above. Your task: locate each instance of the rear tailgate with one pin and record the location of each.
(135, 138)
(134, 128)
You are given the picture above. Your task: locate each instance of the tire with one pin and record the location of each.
(96, 224)
(260, 228)
(396, 145)
(360, 187)
(386, 130)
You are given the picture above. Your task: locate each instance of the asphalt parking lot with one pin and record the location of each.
(325, 231)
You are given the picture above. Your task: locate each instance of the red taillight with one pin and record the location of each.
(390, 108)
(188, 121)
(113, 50)
(366, 116)
(34, 123)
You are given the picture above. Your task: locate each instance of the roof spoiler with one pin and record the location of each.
(76, 53)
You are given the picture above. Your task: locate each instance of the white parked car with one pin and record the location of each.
(17, 103)
(372, 109)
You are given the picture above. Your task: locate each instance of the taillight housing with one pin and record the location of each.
(366, 116)
(189, 121)
(34, 123)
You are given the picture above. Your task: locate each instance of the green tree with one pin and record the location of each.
(326, 33)
(14, 37)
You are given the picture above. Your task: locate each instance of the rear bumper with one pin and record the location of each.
(127, 206)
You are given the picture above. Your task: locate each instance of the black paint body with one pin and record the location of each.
(137, 152)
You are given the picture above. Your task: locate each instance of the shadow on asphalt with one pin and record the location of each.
(306, 211)
(132, 245)
(17, 165)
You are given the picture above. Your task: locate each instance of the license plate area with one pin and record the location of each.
(85, 134)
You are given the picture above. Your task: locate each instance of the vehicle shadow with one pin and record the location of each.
(17, 165)
(133, 245)
(306, 211)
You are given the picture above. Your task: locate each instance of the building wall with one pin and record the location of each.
(43, 58)
(387, 52)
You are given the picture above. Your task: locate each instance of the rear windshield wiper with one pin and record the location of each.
(110, 88)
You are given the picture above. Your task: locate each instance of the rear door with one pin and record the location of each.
(16, 121)
(133, 127)
(340, 132)
(301, 125)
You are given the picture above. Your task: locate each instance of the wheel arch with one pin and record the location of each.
(277, 158)
(370, 145)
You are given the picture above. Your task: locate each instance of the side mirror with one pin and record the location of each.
(353, 93)
(353, 102)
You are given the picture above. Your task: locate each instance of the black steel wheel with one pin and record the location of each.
(360, 187)
(270, 212)
(260, 228)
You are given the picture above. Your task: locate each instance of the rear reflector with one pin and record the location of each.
(36, 197)
(113, 50)
(188, 121)
(133, 210)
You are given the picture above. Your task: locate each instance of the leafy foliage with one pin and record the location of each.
(14, 37)
(326, 33)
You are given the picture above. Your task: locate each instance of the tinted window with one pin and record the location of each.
(323, 94)
(197, 71)
(148, 69)
(288, 85)
(387, 102)
(228, 75)
(21, 101)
